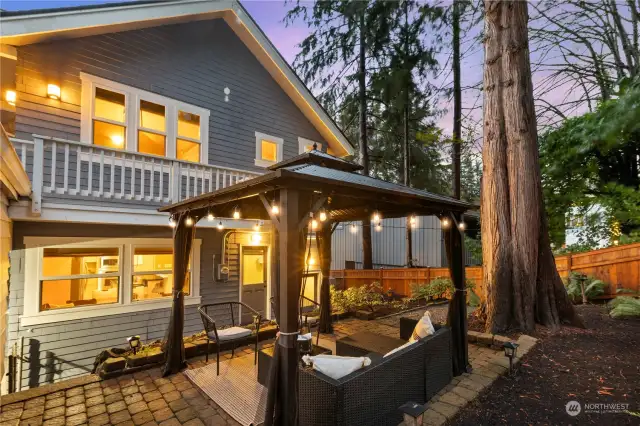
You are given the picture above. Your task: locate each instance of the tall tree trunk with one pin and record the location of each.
(405, 146)
(457, 99)
(523, 284)
(367, 251)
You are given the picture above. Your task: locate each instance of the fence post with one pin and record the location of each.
(569, 261)
(38, 176)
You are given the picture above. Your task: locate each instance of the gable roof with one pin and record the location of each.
(41, 25)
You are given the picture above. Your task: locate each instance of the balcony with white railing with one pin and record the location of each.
(68, 169)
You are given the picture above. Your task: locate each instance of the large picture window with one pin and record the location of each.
(66, 279)
(117, 116)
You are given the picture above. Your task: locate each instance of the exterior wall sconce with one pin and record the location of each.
(10, 97)
(413, 413)
(53, 91)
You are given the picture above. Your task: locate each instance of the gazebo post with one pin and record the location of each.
(282, 399)
(323, 237)
(457, 315)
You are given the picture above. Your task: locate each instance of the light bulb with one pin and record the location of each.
(378, 227)
(210, 217)
(188, 221)
(445, 222)
(236, 214)
(413, 221)
(354, 228)
(323, 216)
(172, 223)
(314, 224)
(275, 209)
(462, 226)
(10, 97)
(220, 226)
(376, 217)
(311, 261)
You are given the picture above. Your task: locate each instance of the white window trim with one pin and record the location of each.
(279, 151)
(132, 105)
(33, 267)
(303, 142)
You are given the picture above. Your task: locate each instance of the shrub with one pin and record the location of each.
(624, 307)
(438, 287)
(339, 301)
(368, 295)
(592, 287)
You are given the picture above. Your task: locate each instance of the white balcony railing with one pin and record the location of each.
(57, 166)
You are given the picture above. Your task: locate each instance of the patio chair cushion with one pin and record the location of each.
(423, 328)
(334, 366)
(230, 333)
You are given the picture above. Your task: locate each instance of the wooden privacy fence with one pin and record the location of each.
(619, 267)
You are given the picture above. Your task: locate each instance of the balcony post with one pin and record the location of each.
(176, 178)
(38, 174)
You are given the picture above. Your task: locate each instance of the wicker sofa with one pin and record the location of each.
(372, 395)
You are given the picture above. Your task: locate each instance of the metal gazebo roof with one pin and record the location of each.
(351, 196)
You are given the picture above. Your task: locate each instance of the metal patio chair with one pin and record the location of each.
(232, 334)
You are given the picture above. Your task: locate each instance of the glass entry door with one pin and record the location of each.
(253, 281)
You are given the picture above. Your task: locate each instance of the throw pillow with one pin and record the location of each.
(334, 366)
(393, 351)
(423, 328)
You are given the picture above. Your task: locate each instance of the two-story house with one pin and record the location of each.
(115, 110)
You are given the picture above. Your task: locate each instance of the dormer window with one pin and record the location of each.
(268, 149)
(126, 118)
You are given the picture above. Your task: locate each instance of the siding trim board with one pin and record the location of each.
(47, 25)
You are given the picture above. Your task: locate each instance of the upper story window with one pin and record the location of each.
(306, 145)
(268, 149)
(123, 117)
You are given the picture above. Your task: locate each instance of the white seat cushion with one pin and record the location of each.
(336, 367)
(230, 333)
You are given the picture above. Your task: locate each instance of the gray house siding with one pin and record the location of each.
(192, 63)
(67, 349)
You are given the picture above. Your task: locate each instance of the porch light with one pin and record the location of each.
(354, 228)
(220, 226)
(413, 221)
(445, 222)
(53, 91)
(275, 209)
(10, 97)
(236, 214)
(510, 351)
(462, 226)
(134, 343)
(413, 413)
(256, 238)
(323, 216)
(210, 217)
(188, 221)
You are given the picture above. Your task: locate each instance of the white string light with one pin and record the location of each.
(275, 209)
(172, 222)
(323, 216)
(445, 222)
(462, 226)
(354, 228)
(413, 221)
(220, 226)
(210, 217)
(188, 221)
(376, 217)
(236, 214)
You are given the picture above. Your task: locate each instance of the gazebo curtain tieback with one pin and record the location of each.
(288, 341)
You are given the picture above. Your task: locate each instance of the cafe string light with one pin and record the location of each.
(413, 221)
(220, 226)
(353, 228)
(210, 216)
(462, 226)
(172, 222)
(376, 217)
(188, 221)
(236, 214)
(323, 216)
(445, 222)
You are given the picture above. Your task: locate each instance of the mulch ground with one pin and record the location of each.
(599, 364)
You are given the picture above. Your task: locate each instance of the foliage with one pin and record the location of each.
(624, 307)
(573, 248)
(440, 287)
(369, 296)
(590, 170)
(474, 247)
(592, 287)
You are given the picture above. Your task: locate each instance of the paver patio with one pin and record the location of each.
(146, 398)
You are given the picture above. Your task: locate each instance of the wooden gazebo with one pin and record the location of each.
(302, 187)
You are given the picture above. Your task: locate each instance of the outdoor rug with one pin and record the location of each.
(236, 390)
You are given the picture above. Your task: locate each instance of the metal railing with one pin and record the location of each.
(58, 166)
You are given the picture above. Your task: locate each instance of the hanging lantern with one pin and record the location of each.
(236, 214)
(188, 221)
(445, 223)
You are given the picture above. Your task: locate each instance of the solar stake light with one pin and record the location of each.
(413, 413)
(134, 343)
(510, 351)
